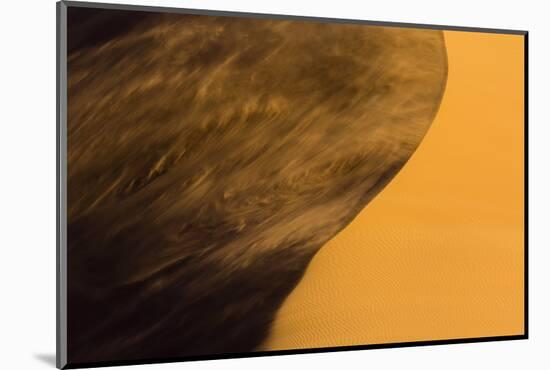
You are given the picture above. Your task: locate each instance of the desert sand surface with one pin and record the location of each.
(438, 254)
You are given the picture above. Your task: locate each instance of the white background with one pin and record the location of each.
(27, 182)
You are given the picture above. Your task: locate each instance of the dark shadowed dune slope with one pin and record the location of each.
(209, 158)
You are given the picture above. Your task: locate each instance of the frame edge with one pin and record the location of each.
(61, 143)
(230, 13)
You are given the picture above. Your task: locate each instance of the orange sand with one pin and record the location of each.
(439, 253)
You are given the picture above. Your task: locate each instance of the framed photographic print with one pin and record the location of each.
(235, 184)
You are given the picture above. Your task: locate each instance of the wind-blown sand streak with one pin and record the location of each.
(209, 158)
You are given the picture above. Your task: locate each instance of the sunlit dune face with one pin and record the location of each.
(439, 253)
